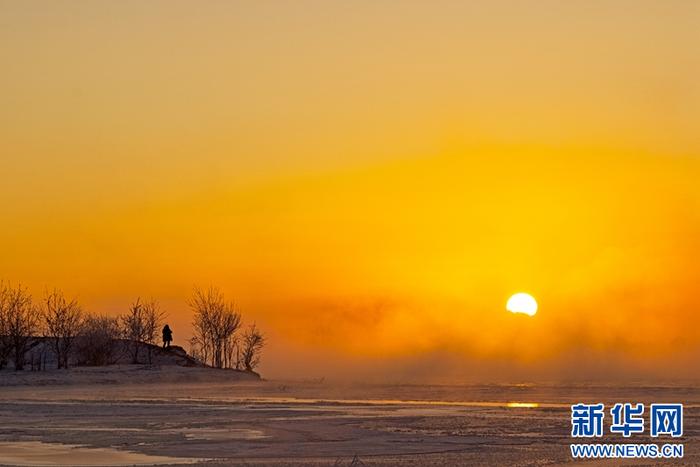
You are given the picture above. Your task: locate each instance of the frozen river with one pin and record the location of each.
(293, 423)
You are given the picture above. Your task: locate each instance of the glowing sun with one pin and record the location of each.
(522, 303)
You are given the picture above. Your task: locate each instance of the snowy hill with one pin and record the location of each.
(172, 366)
(40, 355)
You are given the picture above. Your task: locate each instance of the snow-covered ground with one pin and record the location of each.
(120, 375)
(40, 355)
(169, 415)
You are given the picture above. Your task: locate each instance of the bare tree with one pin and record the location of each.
(95, 344)
(215, 324)
(195, 349)
(133, 328)
(153, 318)
(62, 321)
(5, 344)
(21, 320)
(251, 347)
(230, 350)
(199, 346)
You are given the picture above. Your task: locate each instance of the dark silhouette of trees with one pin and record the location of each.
(5, 344)
(75, 336)
(95, 344)
(153, 318)
(252, 343)
(133, 329)
(63, 320)
(195, 349)
(20, 320)
(215, 324)
(141, 325)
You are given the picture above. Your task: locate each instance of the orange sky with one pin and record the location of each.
(370, 181)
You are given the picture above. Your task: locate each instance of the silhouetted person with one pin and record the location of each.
(167, 336)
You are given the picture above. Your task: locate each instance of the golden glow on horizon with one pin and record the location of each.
(522, 303)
